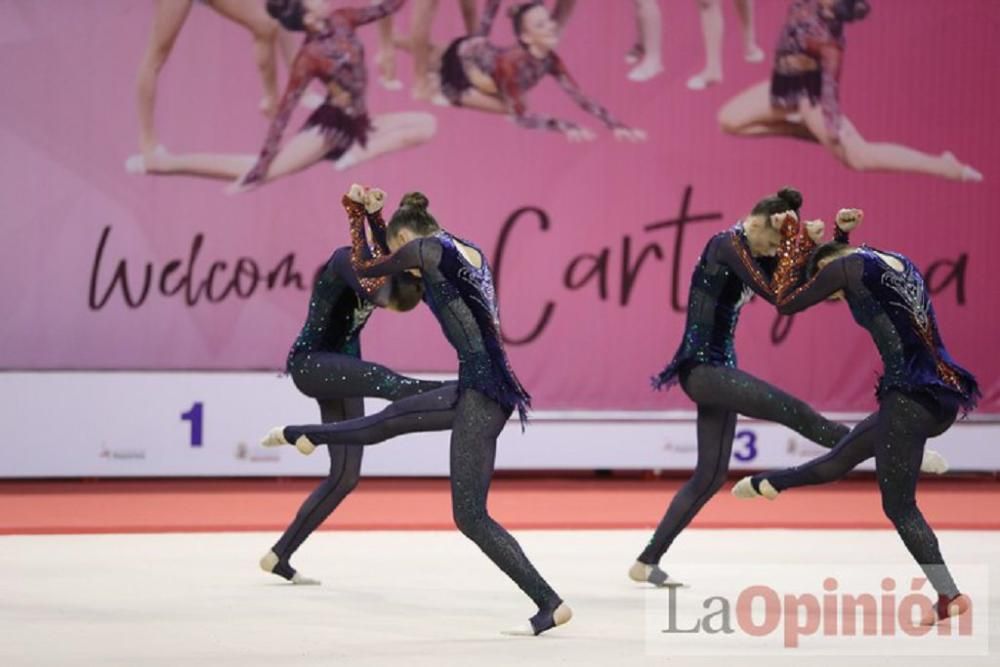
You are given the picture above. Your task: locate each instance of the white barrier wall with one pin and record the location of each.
(153, 424)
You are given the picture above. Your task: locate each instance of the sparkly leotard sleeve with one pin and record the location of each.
(307, 64)
(568, 84)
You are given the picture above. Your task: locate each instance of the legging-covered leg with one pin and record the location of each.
(905, 425)
(345, 471)
(737, 391)
(716, 428)
(429, 411)
(858, 446)
(328, 375)
(478, 422)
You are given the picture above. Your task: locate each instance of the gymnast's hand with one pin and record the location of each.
(849, 218)
(629, 134)
(372, 199)
(814, 229)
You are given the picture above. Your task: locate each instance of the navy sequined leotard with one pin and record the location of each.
(463, 300)
(895, 308)
(919, 394)
(705, 364)
(724, 279)
(462, 297)
(337, 313)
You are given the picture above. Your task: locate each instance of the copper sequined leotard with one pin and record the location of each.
(808, 57)
(514, 71)
(336, 57)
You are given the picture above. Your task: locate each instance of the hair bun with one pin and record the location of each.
(792, 197)
(416, 200)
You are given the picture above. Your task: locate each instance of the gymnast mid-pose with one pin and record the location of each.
(339, 129)
(325, 364)
(802, 98)
(458, 287)
(920, 393)
(735, 264)
(477, 74)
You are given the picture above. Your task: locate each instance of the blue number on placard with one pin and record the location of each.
(749, 439)
(195, 416)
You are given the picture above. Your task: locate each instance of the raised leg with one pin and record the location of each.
(429, 411)
(393, 132)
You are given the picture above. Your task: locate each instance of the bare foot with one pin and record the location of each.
(753, 54)
(154, 161)
(425, 90)
(268, 106)
(947, 609)
(959, 171)
(645, 70)
(703, 80)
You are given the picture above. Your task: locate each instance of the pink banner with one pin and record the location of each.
(593, 243)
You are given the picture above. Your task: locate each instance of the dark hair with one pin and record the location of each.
(826, 251)
(851, 10)
(516, 14)
(412, 214)
(787, 199)
(289, 13)
(407, 292)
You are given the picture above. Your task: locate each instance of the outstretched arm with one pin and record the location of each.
(732, 251)
(420, 254)
(827, 281)
(568, 84)
(361, 15)
(513, 98)
(303, 70)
